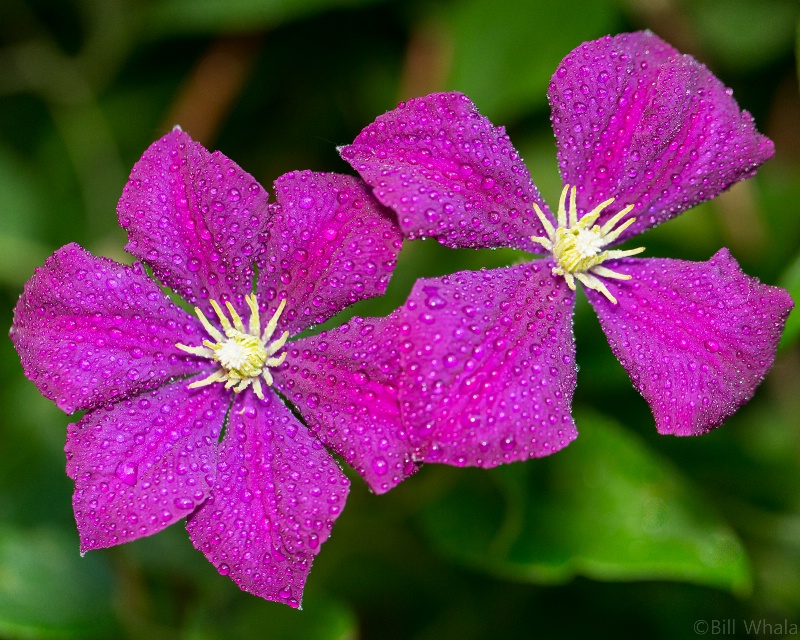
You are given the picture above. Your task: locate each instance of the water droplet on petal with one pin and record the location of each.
(127, 472)
(380, 466)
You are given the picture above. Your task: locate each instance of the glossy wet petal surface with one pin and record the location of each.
(345, 384)
(276, 497)
(144, 463)
(637, 121)
(489, 363)
(696, 338)
(330, 244)
(91, 331)
(196, 218)
(449, 174)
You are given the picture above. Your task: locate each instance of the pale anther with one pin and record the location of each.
(245, 356)
(578, 244)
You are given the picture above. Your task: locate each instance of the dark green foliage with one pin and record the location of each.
(625, 533)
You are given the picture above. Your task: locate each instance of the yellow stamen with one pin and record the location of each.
(548, 227)
(273, 321)
(237, 321)
(562, 208)
(226, 324)
(217, 376)
(608, 273)
(573, 208)
(578, 244)
(276, 362)
(277, 344)
(245, 356)
(590, 282)
(211, 329)
(255, 317)
(196, 351)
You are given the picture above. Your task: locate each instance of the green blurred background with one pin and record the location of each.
(623, 534)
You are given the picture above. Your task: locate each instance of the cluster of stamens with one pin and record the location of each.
(577, 244)
(244, 356)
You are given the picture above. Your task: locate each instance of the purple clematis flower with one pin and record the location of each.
(485, 369)
(181, 420)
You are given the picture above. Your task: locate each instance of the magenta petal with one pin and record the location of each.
(344, 383)
(449, 174)
(330, 244)
(90, 331)
(637, 121)
(143, 463)
(277, 494)
(489, 361)
(696, 338)
(196, 218)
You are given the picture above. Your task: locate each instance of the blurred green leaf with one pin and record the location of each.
(742, 33)
(48, 591)
(20, 197)
(18, 259)
(791, 282)
(797, 49)
(170, 553)
(505, 51)
(21, 206)
(213, 16)
(778, 191)
(605, 508)
(240, 618)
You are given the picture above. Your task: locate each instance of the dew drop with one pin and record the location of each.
(127, 472)
(380, 466)
(184, 503)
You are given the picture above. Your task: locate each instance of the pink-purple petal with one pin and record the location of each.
(90, 331)
(696, 338)
(331, 244)
(144, 463)
(196, 218)
(345, 382)
(276, 497)
(637, 121)
(449, 173)
(489, 364)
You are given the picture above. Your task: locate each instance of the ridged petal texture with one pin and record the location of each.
(144, 463)
(489, 366)
(196, 218)
(330, 244)
(449, 174)
(476, 369)
(276, 497)
(90, 331)
(696, 338)
(100, 336)
(637, 121)
(345, 383)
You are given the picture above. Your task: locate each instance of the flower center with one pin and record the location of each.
(244, 355)
(577, 244)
